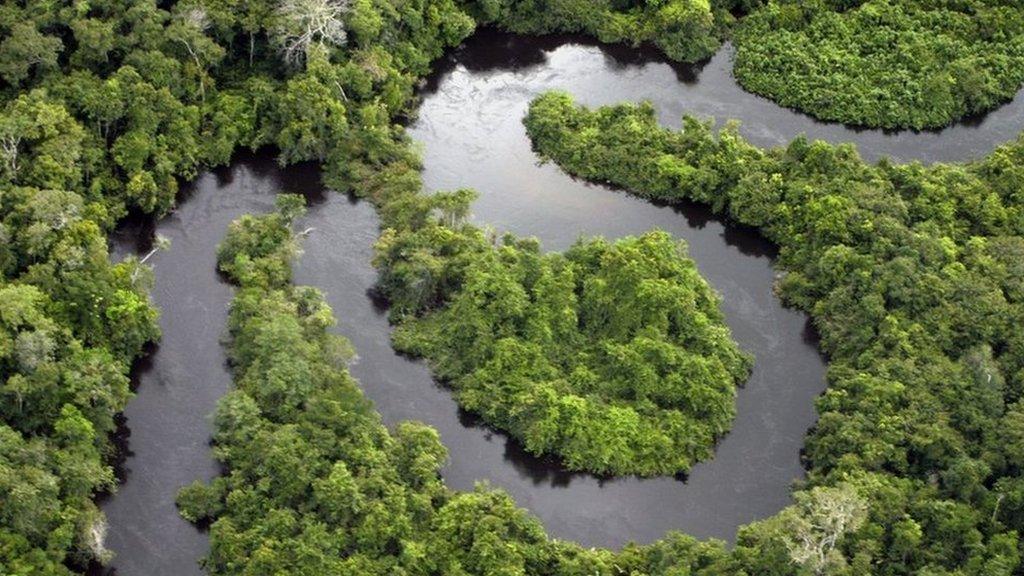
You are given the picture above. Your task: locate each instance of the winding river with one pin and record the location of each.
(470, 127)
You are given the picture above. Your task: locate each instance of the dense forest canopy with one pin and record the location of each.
(317, 485)
(884, 63)
(686, 30)
(614, 356)
(913, 276)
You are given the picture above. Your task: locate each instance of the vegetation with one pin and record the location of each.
(880, 63)
(913, 278)
(104, 106)
(317, 485)
(613, 356)
(70, 323)
(884, 63)
(913, 275)
(686, 30)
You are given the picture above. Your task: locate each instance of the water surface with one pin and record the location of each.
(167, 424)
(501, 72)
(469, 126)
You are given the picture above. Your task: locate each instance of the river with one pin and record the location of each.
(469, 125)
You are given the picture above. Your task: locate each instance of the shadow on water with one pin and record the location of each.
(747, 239)
(707, 89)
(122, 434)
(470, 126)
(490, 49)
(179, 381)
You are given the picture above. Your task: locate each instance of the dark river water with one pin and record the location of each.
(470, 129)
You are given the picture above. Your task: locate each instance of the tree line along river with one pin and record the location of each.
(470, 128)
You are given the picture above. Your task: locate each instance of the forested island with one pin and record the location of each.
(883, 63)
(612, 356)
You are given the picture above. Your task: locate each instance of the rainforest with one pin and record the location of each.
(511, 287)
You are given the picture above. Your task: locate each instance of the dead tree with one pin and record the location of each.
(304, 24)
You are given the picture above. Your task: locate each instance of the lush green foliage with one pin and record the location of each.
(913, 277)
(71, 322)
(104, 106)
(613, 356)
(686, 30)
(884, 63)
(317, 485)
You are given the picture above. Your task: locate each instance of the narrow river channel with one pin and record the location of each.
(470, 128)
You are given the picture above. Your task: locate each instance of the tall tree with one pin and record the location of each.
(303, 24)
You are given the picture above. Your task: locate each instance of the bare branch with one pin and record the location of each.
(817, 524)
(194, 22)
(304, 24)
(160, 243)
(9, 145)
